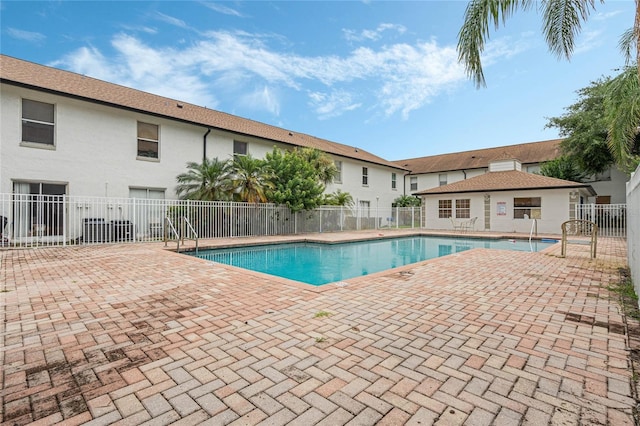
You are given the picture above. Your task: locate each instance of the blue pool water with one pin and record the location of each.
(318, 264)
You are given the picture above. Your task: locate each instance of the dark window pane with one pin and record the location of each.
(239, 148)
(147, 149)
(53, 189)
(519, 213)
(37, 133)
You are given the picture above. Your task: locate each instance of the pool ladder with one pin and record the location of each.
(534, 228)
(186, 232)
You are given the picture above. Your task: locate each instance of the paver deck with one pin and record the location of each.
(137, 334)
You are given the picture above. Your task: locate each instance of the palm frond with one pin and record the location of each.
(622, 110)
(475, 31)
(562, 23)
(628, 43)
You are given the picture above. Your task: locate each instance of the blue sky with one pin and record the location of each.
(382, 76)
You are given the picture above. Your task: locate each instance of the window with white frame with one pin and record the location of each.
(444, 209)
(463, 208)
(413, 182)
(365, 176)
(442, 178)
(38, 123)
(393, 181)
(239, 148)
(338, 177)
(148, 140)
(527, 207)
(147, 193)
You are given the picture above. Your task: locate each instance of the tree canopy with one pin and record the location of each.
(563, 167)
(406, 201)
(296, 178)
(584, 128)
(299, 177)
(250, 179)
(596, 127)
(208, 181)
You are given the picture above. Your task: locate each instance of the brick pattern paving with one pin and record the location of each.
(136, 334)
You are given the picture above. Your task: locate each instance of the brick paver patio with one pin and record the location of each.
(136, 334)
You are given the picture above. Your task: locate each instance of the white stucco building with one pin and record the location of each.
(505, 199)
(438, 170)
(65, 133)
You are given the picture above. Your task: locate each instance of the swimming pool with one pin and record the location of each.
(319, 263)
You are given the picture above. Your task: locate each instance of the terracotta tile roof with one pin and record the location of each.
(27, 74)
(505, 181)
(526, 153)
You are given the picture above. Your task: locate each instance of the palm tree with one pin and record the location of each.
(322, 162)
(250, 179)
(208, 181)
(562, 20)
(622, 113)
(338, 198)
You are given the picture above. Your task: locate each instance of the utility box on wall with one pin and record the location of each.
(95, 230)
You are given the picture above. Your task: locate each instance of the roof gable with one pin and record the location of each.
(505, 181)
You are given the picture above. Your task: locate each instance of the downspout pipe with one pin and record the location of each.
(204, 145)
(404, 184)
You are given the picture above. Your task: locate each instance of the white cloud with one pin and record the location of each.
(604, 16)
(217, 7)
(332, 104)
(506, 47)
(30, 36)
(588, 41)
(353, 35)
(162, 72)
(395, 79)
(262, 99)
(171, 20)
(143, 29)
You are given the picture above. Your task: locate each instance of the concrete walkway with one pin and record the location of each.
(137, 334)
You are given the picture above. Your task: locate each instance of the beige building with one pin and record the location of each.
(505, 199)
(439, 170)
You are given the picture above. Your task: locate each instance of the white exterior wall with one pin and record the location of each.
(633, 227)
(96, 146)
(555, 210)
(379, 183)
(614, 187)
(432, 180)
(432, 211)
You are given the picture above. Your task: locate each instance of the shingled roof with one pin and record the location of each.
(38, 77)
(505, 181)
(526, 153)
